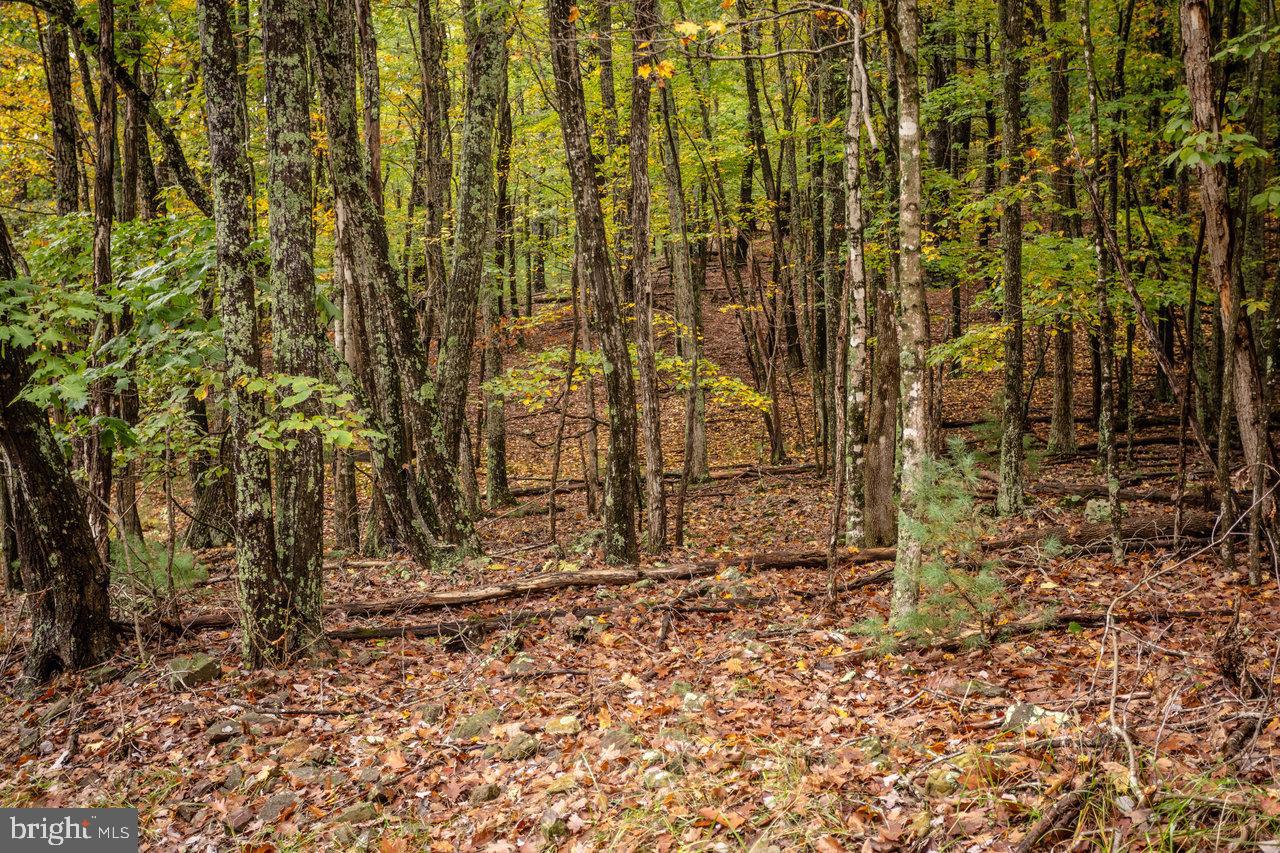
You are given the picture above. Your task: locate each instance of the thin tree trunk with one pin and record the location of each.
(486, 70)
(62, 112)
(643, 60)
(1062, 427)
(96, 449)
(688, 297)
(620, 543)
(399, 385)
(904, 32)
(1106, 327)
(1009, 499)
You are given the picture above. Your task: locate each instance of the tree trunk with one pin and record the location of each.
(264, 607)
(620, 543)
(62, 113)
(346, 505)
(688, 297)
(1197, 50)
(396, 374)
(295, 339)
(645, 29)
(1106, 326)
(852, 377)
(1010, 498)
(435, 117)
(61, 567)
(96, 449)
(486, 72)
(1062, 426)
(904, 32)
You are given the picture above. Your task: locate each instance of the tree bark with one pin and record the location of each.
(904, 36)
(62, 113)
(485, 27)
(1246, 391)
(96, 449)
(688, 298)
(643, 59)
(620, 544)
(398, 382)
(1010, 499)
(1062, 428)
(296, 330)
(262, 604)
(62, 570)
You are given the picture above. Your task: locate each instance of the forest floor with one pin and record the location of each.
(739, 709)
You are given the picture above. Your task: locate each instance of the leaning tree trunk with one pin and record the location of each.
(296, 330)
(642, 278)
(263, 602)
(620, 544)
(62, 570)
(904, 33)
(1009, 498)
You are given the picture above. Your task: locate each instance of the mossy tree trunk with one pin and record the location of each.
(264, 612)
(296, 330)
(62, 571)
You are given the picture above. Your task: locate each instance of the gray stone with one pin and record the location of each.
(358, 813)
(485, 793)
(1023, 715)
(553, 826)
(521, 664)
(656, 777)
(235, 777)
(940, 782)
(567, 725)
(221, 731)
(978, 687)
(521, 746)
(186, 673)
(695, 701)
(275, 806)
(475, 725)
(28, 738)
(619, 738)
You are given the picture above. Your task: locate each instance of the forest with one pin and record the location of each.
(666, 425)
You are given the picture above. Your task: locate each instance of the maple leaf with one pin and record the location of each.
(574, 14)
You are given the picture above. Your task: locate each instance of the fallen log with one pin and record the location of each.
(732, 472)
(1139, 532)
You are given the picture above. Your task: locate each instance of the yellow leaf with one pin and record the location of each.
(715, 27)
(688, 29)
(666, 68)
(644, 70)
